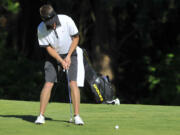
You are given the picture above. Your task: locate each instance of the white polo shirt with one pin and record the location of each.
(65, 32)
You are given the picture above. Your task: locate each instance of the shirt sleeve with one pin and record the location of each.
(42, 39)
(72, 27)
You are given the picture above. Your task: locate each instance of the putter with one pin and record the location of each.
(70, 101)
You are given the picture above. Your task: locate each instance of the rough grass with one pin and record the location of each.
(17, 118)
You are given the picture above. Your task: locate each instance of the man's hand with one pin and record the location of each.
(68, 61)
(64, 65)
(56, 56)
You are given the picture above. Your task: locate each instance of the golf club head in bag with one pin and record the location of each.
(114, 102)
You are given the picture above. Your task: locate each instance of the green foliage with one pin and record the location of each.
(11, 5)
(3, 36)
(164, 80)
(153, 81)
(169, 58)
(140, 36)
(21, 78)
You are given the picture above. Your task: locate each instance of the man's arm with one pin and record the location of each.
(75, 41)
(56, 56)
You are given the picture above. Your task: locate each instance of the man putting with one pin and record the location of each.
(59, 35)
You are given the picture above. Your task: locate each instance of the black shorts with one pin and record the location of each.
(52, 67)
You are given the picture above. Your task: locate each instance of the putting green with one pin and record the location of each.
(17, 118)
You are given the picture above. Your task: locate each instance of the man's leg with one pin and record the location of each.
(75, 94)
(44, 99)
(45, 96)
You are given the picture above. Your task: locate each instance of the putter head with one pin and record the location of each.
(71, 120)
(114, 102)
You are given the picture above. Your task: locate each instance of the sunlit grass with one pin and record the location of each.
(17, 118)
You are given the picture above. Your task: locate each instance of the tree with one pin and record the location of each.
(135, 42)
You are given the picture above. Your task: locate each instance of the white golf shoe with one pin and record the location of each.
(78, 120)
(40, 119)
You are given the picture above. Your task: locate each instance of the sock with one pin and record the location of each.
(76, 115)
(41, 115)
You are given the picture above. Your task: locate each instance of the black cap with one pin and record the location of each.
(49, 16)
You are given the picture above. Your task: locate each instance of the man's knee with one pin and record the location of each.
(73, 84)
(49, 84)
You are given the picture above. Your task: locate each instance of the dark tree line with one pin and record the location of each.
(135, 42)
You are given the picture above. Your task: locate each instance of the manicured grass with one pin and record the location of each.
(17, 118)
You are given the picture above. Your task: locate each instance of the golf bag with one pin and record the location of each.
(100, 85)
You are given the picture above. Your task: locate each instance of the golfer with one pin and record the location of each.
(59, 35)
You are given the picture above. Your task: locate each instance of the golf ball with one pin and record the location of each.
(116, 127)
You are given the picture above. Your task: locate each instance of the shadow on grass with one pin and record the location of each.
(31, 118)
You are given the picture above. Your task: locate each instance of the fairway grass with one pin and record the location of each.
(17, 118)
